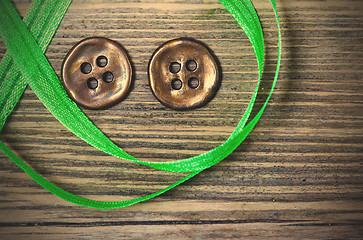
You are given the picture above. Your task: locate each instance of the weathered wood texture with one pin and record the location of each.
(298, 175)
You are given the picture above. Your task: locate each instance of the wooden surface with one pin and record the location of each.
(298, 175)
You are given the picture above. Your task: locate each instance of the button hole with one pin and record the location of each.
(86, 68)
(193, 82)
(175, 67)
(107, 77)
(92, 83)
(102, 61)
(191, 65)
(176, 84)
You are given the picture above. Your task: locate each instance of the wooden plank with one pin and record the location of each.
(298, 175)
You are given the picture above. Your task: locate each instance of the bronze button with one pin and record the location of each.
(97, 73)
(183, 74)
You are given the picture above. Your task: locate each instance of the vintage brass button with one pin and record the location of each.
(183, 74)
(97, 73)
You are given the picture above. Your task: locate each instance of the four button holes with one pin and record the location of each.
(175, 68)
(86, 68)
(107, 77)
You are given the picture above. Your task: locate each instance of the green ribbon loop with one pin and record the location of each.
(34, 65)
(25, 58)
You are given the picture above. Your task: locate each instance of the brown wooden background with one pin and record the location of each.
(298, 175)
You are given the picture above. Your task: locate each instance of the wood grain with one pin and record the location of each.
(298, 175)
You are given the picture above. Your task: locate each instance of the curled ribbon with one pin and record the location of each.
(25, 64)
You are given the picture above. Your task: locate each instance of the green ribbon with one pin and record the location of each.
(25, 59)
(42, 19)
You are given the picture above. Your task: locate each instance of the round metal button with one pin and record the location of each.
(97, 73)
(183, 74)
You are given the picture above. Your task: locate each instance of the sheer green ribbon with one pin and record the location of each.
(25, 63)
